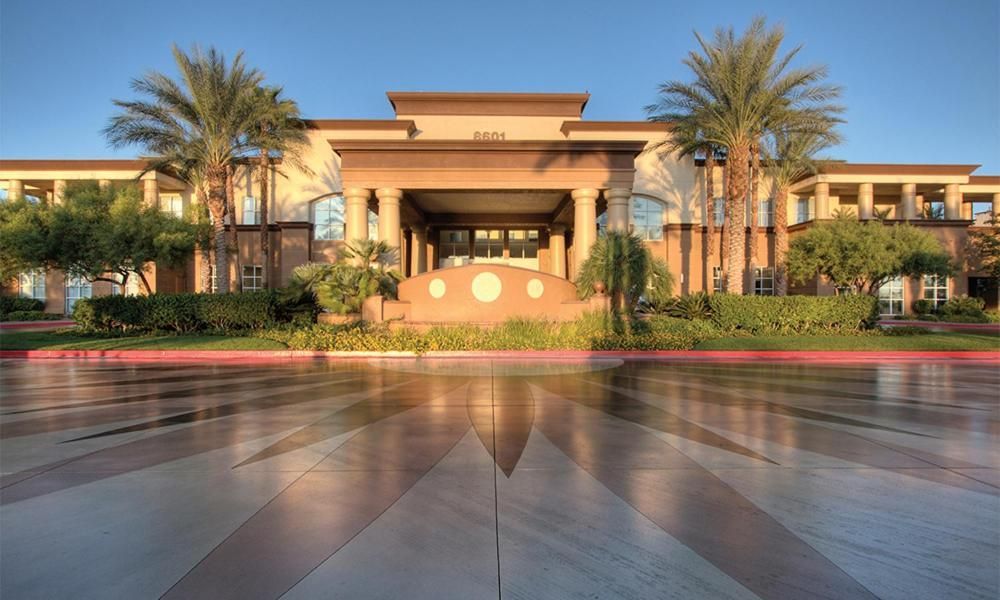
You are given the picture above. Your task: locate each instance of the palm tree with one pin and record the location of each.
(627, 269)
(754, 207)
(278, 131)
(235, 285)
(743, 89)
(788, 158)
(196, 122)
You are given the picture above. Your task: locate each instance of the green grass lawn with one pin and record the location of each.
(930, 341)
(50, 340)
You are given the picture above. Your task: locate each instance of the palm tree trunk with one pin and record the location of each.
(754, 210)
(217, 206)
(265, 242)
(234, 238)
(206, 248)
(734, 241)
(781, 241)
(710, 198)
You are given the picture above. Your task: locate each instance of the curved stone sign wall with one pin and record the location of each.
(483, 293)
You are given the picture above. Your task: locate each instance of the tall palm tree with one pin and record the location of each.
(754, 207)
(743, 89)
(278, 132)
(790, 156)
(197, 122)
(236, 284)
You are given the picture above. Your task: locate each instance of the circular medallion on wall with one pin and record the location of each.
(536, 288)
(436, 288)
(486, 287)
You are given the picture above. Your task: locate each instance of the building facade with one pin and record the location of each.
(520, 180)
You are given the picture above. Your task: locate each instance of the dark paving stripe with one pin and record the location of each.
(696, 507)
(625, 407)
(358, 415)
(505, 427)
(322, 511)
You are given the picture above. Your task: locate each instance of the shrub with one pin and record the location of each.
(30, 315)
(691, 306)
(793, 314)
(964, 309)
(905, 331)
(696, 329)
(992, 316)
(927, 317)
(923, 307)
(9, 304)
(181, 313)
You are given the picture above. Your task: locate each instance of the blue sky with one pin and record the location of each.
(922, 77)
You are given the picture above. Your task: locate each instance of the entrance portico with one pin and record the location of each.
(487, 201)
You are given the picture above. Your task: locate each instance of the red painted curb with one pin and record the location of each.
(666, 355)
(35, 324)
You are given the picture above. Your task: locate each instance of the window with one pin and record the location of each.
(76, 288)
(31, 284)
(489, 243)
(936, 289)
(131, 286)
(647, 219)
(172, 204)
(717, 280)
(253, 278)
(602, 223)
(523, 244)
(251, 211)
(719, 211)
(328, 217)
(803, 210)
(763, 281)
(372, 225)
(454, 244)
(765, 216)
(890, 298)
(213, 281)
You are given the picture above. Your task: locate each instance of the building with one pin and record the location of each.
(521, 180)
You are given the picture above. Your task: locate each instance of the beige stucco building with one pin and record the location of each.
(520, 180)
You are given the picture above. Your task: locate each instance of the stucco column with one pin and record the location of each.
(150, 192)
(418, 250)
(15, 189)
(996, 206)
(617, 208)
(821, 198)
(866, 201)
(557, 250)
(952, 201)
(356, 214)
(388, 220)
(584, 224)
(908, 201)
(58, 191)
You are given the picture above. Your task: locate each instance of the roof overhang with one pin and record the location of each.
(926, 177)
(488, 103)
(447, 164)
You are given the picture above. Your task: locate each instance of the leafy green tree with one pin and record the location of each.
(863, 256)
(198, 124)
(984, 247)
(101, 234)
(742, 90)
(627, 269)
(790, 156)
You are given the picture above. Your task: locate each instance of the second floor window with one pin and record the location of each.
(172, 204)
(765, 213)
(803, 210)
(328, 217)
(647, 219)
(251, 211)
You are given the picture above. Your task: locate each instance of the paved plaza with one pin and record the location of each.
(471, 479)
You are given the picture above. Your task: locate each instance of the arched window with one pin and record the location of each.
(647, 218)
(328, 217)
(372, 225)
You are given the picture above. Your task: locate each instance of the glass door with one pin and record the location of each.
(523, 248)
(488, 246)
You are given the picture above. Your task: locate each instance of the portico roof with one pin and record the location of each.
(462, 164)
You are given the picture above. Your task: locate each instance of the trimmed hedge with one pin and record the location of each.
(10, 304)
(793, 314)
(30, 315)
(181, 313)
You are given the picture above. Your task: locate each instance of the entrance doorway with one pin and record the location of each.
(513, 247)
